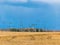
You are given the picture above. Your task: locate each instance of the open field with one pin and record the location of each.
(29, 38)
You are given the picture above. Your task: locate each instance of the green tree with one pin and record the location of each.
(13, 29)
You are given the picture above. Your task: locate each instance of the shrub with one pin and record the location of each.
(16, 30)
(41, 30)
(37, 30)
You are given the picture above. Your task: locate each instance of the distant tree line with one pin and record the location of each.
(29, 30)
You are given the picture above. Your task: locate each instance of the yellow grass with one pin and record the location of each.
(29, 38)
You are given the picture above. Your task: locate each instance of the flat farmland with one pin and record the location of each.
(29, 38)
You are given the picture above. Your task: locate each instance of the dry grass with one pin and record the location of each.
(29, 38)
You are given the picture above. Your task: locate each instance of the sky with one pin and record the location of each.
(42, 13)
(47, 1)
(51, 1)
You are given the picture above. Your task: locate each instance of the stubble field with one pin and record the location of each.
(29, 38)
